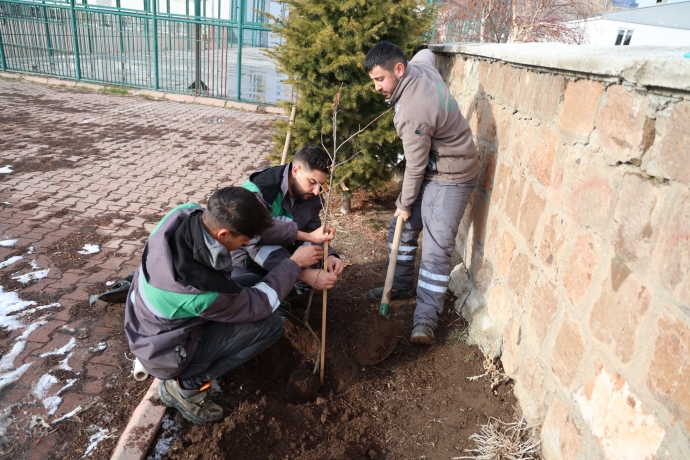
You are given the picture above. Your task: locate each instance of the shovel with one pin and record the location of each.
(378, 339)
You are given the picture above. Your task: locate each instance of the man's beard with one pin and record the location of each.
(299, 193)
(396, 80)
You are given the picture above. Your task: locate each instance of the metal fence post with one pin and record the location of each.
(240, 21)
(75, 39)
(154, 8)
(2, 51)
(197, 48)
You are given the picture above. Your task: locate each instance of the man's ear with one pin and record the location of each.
(399, 69)
(221, 233)
(295, 170)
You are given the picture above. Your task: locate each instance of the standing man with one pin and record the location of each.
(292, 194)
(441, 172)
(189, 318)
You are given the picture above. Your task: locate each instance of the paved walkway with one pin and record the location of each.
(90, 168)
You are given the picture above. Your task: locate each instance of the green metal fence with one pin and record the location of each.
(144, 48)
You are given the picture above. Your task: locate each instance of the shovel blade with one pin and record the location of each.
(377, 340)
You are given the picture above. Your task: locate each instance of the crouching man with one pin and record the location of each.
(187, 318)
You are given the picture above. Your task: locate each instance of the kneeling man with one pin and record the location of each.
(188, 319)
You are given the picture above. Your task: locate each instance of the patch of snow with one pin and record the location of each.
(108, 283)
(67, 415)
(31, 250)
(70, 329)
(5, 202)
(11, 377)
(168, 434)
(6, 170)
(7, 361)
(8, 243)
(100, 347)
(70, 382)
(64, 365)
(9, 303)
(35, 325)
(90, 249)
(32, 276)
(42, 307)
(34, 265)
(61, 351)
(52, 403)
(43, 386)
(95, 439)
(10, 261)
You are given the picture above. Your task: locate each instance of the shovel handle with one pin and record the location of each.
(388, 286)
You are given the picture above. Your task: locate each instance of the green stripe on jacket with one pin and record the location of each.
(277, 209)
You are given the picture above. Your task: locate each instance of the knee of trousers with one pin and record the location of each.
(274, 327)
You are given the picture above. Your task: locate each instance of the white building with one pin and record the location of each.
(662, 25)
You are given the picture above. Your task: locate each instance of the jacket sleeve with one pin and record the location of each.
(282, 232)
(257, 302)
(416, 139)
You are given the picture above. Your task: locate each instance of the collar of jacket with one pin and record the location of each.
(410, 75)
(191, 259)
(271, 181)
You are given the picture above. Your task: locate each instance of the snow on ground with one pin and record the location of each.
(67, 415)
(100, 347)
(10, 261)
(31, 250)
(107, 283)
(41, 391)
(42, 307)
(8, 243)
(64, 363)
(90, 249)
(10, 303)
(169, 433)
(62, 350)
(95, 439)
(6, 170)
(32, 276)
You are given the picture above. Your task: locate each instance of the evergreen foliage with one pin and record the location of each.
(324, 45)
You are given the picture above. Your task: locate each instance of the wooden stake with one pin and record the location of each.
(323, 316)
(283, 160)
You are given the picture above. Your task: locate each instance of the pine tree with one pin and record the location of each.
(325, 43)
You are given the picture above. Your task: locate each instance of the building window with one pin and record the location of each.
(624, 36)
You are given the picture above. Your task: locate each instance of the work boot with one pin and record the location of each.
(299, 288)
(375, 294)
(190, 403)
(285, 310)
(422, 334)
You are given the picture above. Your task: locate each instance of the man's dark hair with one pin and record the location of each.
(314, 157)
(385, 55)
(237, 210)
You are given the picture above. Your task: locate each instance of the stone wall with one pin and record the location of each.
(577, 240)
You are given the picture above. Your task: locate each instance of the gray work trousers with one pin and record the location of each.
(438, 209)
(224, 346)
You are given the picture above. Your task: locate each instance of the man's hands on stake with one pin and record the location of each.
(307, 255)
(318, 236)
(318, 278)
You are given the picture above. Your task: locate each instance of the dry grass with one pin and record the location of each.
(494, 373)
(499, 440)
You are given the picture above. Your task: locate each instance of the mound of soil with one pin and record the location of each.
(417, 402)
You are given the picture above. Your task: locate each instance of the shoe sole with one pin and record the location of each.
(422, 340)
(167, 399)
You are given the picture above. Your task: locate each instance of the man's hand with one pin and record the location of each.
(335, 265)
(318, 236)
(307, 255)
(318, 279)
(404, 214)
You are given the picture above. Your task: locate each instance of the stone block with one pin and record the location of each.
(620, 124)
(568, 352)
(489, 172)
(531, 391)
(578, 274)
(579, 109)
(531, 210)
(527, 90)
(35, 79)
(553, 237)
(632, 232)
(524, 135)
(514, 199)
(480, 219)
(668, 156)
(587, 187)
(273, 110)
(242, 106)
(504, 255)
(482, 274)
(543, 155)
(509, 84)
(210, 101)
(520, 276)
(544, 308)
(548, 97)
(501, 184)
(560, 436)
(619, 311)
(498, 306)
(616, 418)
(672, 253)
(670, 367)
(158, 94)
(512, 340)
(483, 72)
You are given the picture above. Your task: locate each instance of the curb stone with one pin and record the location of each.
(175, 97)
(143, 425)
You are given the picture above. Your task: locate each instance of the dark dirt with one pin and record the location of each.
(418, 403)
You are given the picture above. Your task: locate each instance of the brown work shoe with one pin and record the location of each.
(422, 334)
(193, 408)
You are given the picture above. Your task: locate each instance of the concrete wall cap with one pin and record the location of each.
(651, 66)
